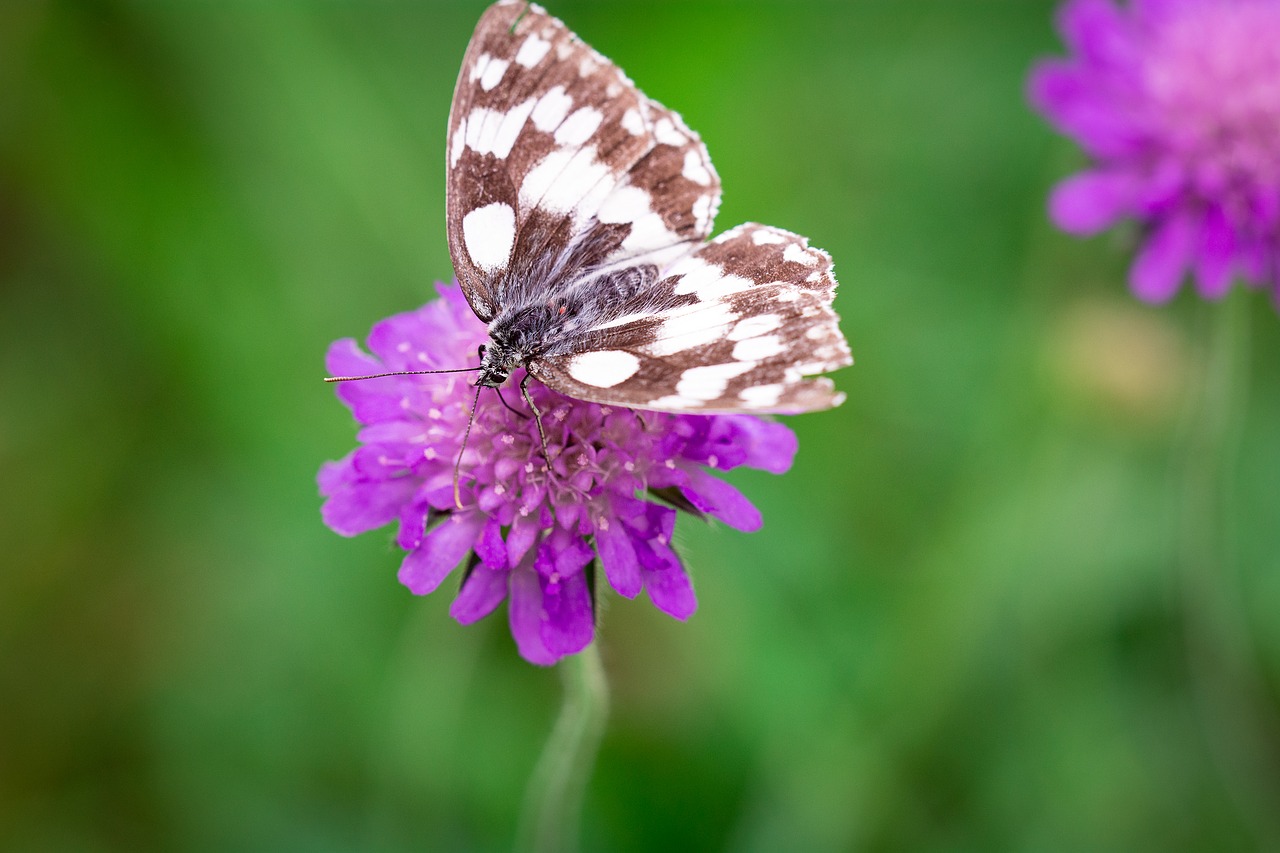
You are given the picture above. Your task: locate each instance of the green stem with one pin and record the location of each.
(1222, 661)
(552, 809)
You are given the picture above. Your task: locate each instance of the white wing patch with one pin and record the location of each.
(695, 170)
(760, 324)
(689, 328)
(710, 381)
(564, 179)
(604, 368)
(489, 233)
(493, 72)
(758, 349)
(707, 281)
(532, 51)
(797, 255)
(632, 123)
(578, 128)
(761, 396)
(494, 132)
(551, 109)
(767, 236)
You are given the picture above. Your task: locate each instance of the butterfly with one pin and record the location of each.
(578, 215)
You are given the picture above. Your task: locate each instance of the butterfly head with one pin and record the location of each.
(496, 364)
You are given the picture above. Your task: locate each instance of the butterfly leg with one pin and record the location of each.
(537, 417)
(510, 408)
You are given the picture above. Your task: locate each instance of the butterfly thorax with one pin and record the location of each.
(515, 338)
(550, 327)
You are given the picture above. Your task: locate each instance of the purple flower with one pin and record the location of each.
(1178, 104)
(533, 532)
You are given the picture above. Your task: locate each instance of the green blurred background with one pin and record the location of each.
(1019, 593)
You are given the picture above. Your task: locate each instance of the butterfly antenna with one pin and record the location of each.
(537, 418)
(457, 466)
(398, 373)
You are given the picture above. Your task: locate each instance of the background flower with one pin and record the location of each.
(1178, 104)
(534, 530)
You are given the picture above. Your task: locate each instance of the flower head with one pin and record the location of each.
(1178, 104)
(534, 530)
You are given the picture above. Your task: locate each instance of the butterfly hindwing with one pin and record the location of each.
(736, 325)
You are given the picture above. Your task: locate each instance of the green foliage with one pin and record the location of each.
(966, 624)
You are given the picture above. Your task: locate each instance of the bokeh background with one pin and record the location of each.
(1019, 593)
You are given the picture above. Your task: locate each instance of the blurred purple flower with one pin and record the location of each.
(1178, 104)
(533, 533)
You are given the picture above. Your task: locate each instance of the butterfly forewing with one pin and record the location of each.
(560, 170)
(735, 326)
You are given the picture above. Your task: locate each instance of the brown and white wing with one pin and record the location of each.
(736, 326)
(559, 167)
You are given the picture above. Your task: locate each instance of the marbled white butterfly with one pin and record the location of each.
(578, 214)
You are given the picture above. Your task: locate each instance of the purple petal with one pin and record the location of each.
(459, 309)
(377, 462)
(484, 590)
(562, 554)
(520, 538)
(334, 476)
(570, 623)
(569, 515)
(345, 358)
(403, 341)
(669, 587)
(1091, 201)
(1067, 96)
(356, 506)
(664, 578)
(527, 616)
(727, 441)
(1055, 86)
(565, 618)
(1162, 190)
(413, 522)
(1150, 11)
(618, 557)
(397, 432)
(1253, 259)
(1097, 30)
(771, 446)
(437, 489)
(371, 400)
(1264, 206)
(490, 548)
(717, 498)
(1217, 252)
(441, 550)
(1160, 265)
